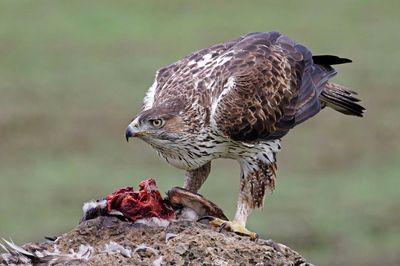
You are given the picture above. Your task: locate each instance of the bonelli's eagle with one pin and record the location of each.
(237, 100)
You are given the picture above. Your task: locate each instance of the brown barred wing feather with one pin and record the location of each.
(279, 90)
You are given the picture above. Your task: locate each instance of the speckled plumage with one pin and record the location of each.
(236, 100)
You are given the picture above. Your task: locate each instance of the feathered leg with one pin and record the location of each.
(254, 183)
(195, 178)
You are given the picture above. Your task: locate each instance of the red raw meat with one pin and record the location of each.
(145, 203)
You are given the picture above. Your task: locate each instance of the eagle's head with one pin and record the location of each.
(158, 126)
(175, 133)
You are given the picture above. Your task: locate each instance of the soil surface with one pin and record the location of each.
(110, 241)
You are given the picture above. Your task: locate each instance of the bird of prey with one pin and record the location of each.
(237, 100)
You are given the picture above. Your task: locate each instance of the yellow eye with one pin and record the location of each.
(157, 123)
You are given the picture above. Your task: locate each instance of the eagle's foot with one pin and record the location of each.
(233, 226)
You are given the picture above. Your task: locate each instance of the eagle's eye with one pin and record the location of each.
(157, 123)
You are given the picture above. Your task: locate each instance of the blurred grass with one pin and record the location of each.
(73, 73)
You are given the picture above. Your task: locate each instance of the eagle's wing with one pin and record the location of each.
(274, 87)
(166, 77)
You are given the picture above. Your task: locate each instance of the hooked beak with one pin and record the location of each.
(133, 131)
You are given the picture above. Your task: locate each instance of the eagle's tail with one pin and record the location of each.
(341, 99)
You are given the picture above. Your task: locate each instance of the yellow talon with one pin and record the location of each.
(233, 226)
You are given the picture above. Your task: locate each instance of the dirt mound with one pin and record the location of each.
(110, 241)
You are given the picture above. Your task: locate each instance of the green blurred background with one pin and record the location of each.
(73, 73)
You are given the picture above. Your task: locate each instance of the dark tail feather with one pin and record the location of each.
(341, 99)
(329, 60)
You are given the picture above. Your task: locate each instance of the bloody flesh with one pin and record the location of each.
(145, 203)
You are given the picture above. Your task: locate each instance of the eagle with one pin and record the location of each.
(237, 100)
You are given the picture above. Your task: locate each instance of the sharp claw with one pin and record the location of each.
(208, 218)
(222, 227)
(257, 237)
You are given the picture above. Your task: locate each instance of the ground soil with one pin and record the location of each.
(180, 243)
